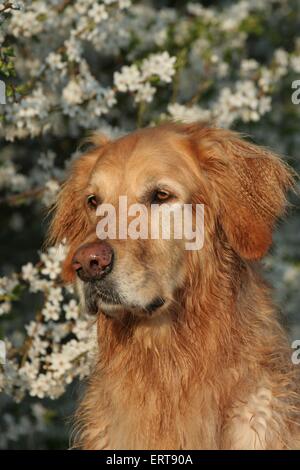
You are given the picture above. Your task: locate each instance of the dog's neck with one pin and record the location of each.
(191, 330)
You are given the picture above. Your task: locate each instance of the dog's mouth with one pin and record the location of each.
(106, 299)
(155, 305)
(97, 295)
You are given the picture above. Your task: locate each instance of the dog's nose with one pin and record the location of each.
(93, 260)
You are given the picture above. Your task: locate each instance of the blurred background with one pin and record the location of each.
(73, 66)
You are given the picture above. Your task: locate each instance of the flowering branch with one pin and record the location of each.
(21, 197)
(8, 6)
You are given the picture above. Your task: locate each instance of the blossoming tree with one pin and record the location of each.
(71, 66)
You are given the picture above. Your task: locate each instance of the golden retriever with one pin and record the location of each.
(191, 352)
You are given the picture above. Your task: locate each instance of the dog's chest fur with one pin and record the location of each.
(183, 386)
(155, 411)
(147, 394)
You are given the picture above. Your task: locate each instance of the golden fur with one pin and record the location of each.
(212, 369)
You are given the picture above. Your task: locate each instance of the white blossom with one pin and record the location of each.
(71, 310)
(295, 63)
(5, 307)
(73, 93)
(55, 62)
(162, 65)
(188, 114)
(129, 79)
(145, 93)
(51, 311)
(50, 192)
(98, 13)
(29, 272)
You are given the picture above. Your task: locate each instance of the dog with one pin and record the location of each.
(191, 351)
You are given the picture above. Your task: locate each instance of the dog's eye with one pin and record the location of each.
(159, 196)
(92, 201)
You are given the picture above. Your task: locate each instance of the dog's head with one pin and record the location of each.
(241, 186)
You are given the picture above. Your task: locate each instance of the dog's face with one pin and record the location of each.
(241, 186)
(143, 273)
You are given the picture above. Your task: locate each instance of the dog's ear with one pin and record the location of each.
(253, 198)
(69, 221)
(250, 184)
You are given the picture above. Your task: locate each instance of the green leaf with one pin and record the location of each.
(9, 90)
(9, 51)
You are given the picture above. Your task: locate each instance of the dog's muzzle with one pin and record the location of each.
(93, 261)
